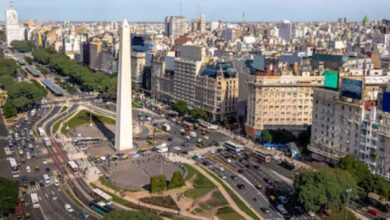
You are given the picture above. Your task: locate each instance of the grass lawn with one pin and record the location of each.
(64, 108)
(196, 193)
(227, 213)
(190, 171)
(340, 215)
(238, 201)
(109, 184)
(83, 118)
(201, 184)
(217, 199)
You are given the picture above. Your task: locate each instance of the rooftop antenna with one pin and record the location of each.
(11, 3)
(243, 17)
(181, 9)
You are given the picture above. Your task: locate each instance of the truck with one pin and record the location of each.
(166, 127)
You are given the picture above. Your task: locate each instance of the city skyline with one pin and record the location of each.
(73, 10)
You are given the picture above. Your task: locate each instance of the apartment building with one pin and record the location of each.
(280, 102)
(138, 63)
(341, 117)
(163, 78)
(216, 91)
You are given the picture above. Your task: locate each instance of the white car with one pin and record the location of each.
(28, 169)
(44, 161)
(56, 182)
(177, 148)
(69, 208)
(28, 155)
(193, 134)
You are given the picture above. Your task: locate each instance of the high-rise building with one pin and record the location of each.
(95, 48)
(175, 26)
(138, 62)
(14, 31)
(285, 30)
(202, 24)
(124, 119)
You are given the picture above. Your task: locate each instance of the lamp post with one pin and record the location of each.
(346, 208)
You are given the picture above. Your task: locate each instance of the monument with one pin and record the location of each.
(123, 126)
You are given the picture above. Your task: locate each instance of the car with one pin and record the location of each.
(47, 169)
(374, 212)
(28, 169)
(37, 168)
(69, 208)
(193, 134)
(224, 177)
(241, 186)
(44, 161)
(28, 155)
(56, 182)
(85, 214)
(265, 210)
(281, 209)
(259, 186)
(233, 177)
(283, 199)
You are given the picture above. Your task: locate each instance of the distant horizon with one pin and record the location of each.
(154, 11)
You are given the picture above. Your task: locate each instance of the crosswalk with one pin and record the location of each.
(37, 187)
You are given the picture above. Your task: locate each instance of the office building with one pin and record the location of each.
(175, 26)
(13, 30)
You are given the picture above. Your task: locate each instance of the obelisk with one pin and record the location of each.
(124, 125)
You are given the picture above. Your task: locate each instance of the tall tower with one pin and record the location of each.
(124, 125)
(12, 28)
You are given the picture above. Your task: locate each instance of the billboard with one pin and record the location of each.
(386, 102)
(331, 79)
(352, 88)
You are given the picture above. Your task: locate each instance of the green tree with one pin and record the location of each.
(359, 171)
(9, 194)
(7, 81)
(266, 136)
(324, 189)
(28, 60)
(21, 103)
(131, 215)
(158, 183)
(9, 110)
(181, 107)
(198, 113)
(282, 136)
(7, 67)
(177, 180)
(22, 46)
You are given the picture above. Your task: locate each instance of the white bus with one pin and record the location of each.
(232, 147)
(47, 141)
(41, 132)
(7, 151)
(14, 167)
(107, 198)
(35, 200)
(73, 165)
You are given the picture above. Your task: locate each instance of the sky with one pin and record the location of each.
(226, 10)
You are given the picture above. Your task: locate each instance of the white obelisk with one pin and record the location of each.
(124, 125)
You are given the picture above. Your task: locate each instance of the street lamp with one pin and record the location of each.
(346, 208)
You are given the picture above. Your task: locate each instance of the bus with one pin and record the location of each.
(47, 141)
(7, 151)
(14, 168)
(100, 207)
(34, 200)
(188, 126)
(263, 158)
(232, 147)
(207, 125)
(107, 198)
(73, 165)
(41, 132)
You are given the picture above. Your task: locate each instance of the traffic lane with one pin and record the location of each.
(249, 193)
(55, 208)
(36, 213)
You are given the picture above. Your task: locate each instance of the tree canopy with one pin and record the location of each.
(324, 189)
(77, 73)
(131, 215)
(9, 194)
(181, 107)
(177, 180)
(198, 113)
(22, 46)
